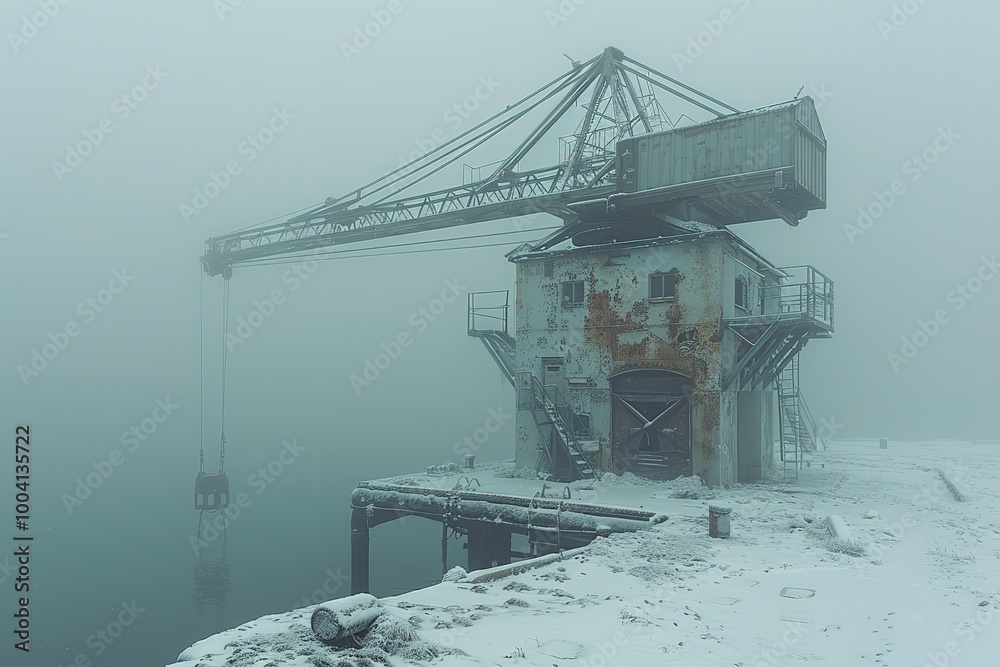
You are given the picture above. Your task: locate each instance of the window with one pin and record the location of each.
(548, 268)
(662, 285)
(741, 293)
(572, 293)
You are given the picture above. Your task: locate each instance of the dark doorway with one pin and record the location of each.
(651, 423)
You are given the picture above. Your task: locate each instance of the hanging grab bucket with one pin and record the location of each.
(211, 492)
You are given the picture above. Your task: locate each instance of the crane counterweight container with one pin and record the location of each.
(755, 165)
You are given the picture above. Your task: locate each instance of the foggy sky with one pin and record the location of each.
(884, 96)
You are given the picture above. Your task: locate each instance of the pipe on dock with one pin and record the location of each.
(336, 620)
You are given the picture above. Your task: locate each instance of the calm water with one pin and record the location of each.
(125, 555)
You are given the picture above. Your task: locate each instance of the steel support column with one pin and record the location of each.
(488, 544)
(359, 550)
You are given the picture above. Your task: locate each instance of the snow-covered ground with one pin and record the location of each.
(914, 581)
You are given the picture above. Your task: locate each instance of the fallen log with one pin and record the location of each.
(337, 620)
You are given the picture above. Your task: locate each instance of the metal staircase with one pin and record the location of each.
(560, 443)
(487, 321)
(793, 312)
(559, 427)
(818, 443)
(501, 347)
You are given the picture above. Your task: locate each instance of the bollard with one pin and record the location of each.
(883, 443)
(470, 461)
(718, 521)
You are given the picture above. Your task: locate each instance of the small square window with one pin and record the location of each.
(572, 293)
(662, 285)
(741, 293)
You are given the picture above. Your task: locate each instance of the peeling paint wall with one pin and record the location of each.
(619, 327)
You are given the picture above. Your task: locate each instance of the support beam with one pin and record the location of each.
(488, 545)
(359, 550)
(444, 547)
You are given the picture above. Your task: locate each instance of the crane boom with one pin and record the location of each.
(522, 195)
(383, 208)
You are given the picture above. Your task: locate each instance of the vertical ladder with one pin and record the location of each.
(793, 439)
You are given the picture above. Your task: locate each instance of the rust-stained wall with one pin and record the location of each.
(619, 328)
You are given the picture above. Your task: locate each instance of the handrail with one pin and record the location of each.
(487, 312)
(555, 411)
(810, 294)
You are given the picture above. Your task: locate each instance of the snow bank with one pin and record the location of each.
(778, 592)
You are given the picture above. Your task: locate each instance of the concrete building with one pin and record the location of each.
(661, 357)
